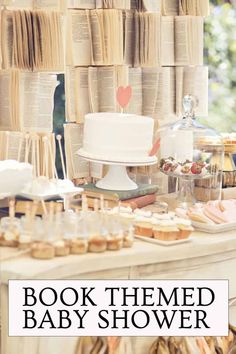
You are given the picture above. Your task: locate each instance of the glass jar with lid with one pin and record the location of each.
(194, 154)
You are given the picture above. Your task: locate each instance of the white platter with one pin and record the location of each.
(214, 228)
(58, 194)
(163, 243)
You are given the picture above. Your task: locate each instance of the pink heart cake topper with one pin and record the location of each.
(156, 146)
(124, 95)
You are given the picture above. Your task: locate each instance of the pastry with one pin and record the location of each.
(42, 250)
(61, 248)
(97, 244)
(185, 228)
(214, 214)
(198, 216)
(79, 246)
(143, 226)
(166, 231)
(115, 242)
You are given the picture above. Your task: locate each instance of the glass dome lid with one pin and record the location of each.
(190, 149)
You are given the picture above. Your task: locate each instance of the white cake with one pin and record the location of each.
(118, 137)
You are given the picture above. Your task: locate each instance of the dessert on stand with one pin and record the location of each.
(191, 152)
(118, 140)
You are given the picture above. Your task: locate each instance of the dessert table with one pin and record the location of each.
(205, 257)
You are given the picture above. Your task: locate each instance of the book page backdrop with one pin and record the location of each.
(156, 47)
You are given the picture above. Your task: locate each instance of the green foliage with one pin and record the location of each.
(220, 56)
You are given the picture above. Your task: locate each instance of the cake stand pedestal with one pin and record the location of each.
(117, 178)
(186, 197)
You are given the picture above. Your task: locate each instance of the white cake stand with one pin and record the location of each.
(117, 177)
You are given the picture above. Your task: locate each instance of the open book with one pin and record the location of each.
(165, 7)
(93, 89)
(170, 7)
(113, 37)
(77, 167)
(32, 40)
(100, 42)
(156, 92)
(34, 4)
(116, 37)
(182, 40)
(27, 101)
(194, 7)
(147, 39)
(194, 81)
(37, 149)
(146, 5)
(98, 4)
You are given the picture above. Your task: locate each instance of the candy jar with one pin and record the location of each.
(194, 154)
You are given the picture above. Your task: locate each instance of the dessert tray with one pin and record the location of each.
(214, 228)
(52, 195)
(164, 243)
(42, 188)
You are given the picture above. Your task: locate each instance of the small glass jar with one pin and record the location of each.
(10, 231)
(115, 240)
(41, 247)
(79, 244)
(129, 238)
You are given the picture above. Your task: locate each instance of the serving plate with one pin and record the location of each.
(163, 243)
(214, 228)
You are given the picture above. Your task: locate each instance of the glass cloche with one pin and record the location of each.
(194, 154)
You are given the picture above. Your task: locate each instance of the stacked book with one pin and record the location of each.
(144, 195)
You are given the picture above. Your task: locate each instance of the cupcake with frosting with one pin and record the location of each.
(165, 230)
(185, 227)
(143, 226)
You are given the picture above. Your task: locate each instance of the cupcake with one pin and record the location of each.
(143, 226)
(42, 250)
(185, 227)
(166, 230)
